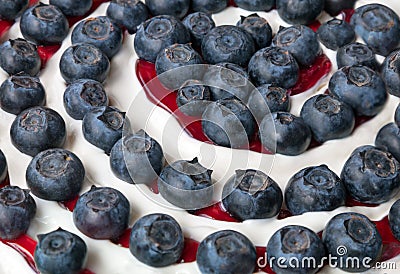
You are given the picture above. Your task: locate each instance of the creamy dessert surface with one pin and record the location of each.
(126, 93)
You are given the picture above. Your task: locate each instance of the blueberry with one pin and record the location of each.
(81, 96)
(360, 87)
(356, 54)
(228, 44)
(321, 190)
(209, 6)
(20, 92)
(251, 194)
(394, 219)
(3, 167)
(60, 252)
(186, 184)
(289, 248)
(328, 117)
(102, 213)
(84, 61)
(228, 123)
(156, 34)
(336, 33)
(137, 158)
(103, 127)
(274, 66)
(19, 56)
(397, 116)
(10, 10)
(371, 175)
(156, 240)
(390, 73)
(334, 7)
(55, 175)
(291, 136)
(73, 7)
(193, 97)
(353, 238)
(378, 26)
(199, 25)
(44, 25)
(17, 209)
(299, 11)
(255, 5)
(177, 8)
(36, 129)
(258, 28)
(388, 138)
(300, 41)
(128, 13)
(267, 99)
(226, 251)
(101, 32)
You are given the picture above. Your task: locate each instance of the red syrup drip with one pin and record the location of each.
(6, 182)
(96, 3)
(283, 214)
(6, 25)
(232, 3)
(70, 204)
(123, 240)
(46, 52)
(391, 246)
(347, 14)
(261, 253)
(314, 25)
(215, 212)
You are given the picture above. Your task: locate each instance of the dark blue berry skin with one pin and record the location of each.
(20, 92)
(103, 126)
(356, 54)
(102, 213)
(291, 136)
(258, 28)
(334, 7)
(225, 252)
(251, 194)
(36, 129)
(300, 41)
(101, 32)
(177, 8)
(157, 33)
(9, 10)
(209, 6)
(228, 44)
(358, 235)
(378, 26)
(186, 184)
(17, 209)
(294, 241)
(198, 24)
(328, 117)
(361, 88)
(274, 66)
(193, 97)
(128, 14)
(19, 56)
(60, 252)
(156, 240)
(390, 73)
(44, 25)
(371, 175)
(397, 116)
(388, 138)
(255, 5)
(228, 123)
(3, 167)
(137, 158)
(73, 7)
(299, 11)
(84, 61)
(321, 190)
(335, 34)
(55, 175)
(394, 219)
(82, 96)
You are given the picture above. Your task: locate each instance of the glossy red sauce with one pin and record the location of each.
(347, 14)
(70, 204)
(6, 182)
(215, 212)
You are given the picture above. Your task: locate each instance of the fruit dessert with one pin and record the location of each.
(110, 163)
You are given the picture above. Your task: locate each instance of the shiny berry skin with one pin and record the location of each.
(299, 11)
(19, 56)
(390, 73)
(20, 92)
(156, 240)
(335, 34)
(198, 24)
(3, 167)
(193, 97)
(61, 252)
(356, 54)
(17, 209)
(102, 213)
(388, 138)
(10, 10)
(394, 219)
(255, 5)
(44, 25)
(251, 194)
(209, 6)
(177, 8)
(36, 129)
(55, 175)
(334, 7)
(258, 28)
(128, 13)
(73, 7)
